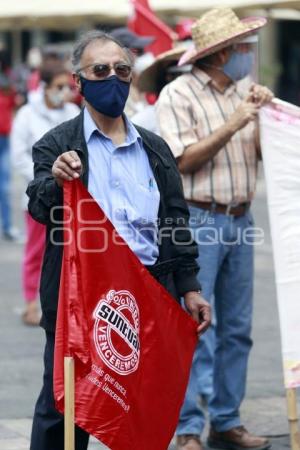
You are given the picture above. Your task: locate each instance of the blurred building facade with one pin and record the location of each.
(36, 27)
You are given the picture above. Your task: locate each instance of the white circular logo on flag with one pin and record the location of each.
(116, 331)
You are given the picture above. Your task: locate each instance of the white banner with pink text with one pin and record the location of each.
(280, 139)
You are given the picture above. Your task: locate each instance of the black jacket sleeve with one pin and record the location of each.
(183, 247)
(43, 191)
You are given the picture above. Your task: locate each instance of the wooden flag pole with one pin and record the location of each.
(293, 418)
(69, 379)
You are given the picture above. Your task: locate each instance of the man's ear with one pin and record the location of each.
(224, 55)
(77, 82)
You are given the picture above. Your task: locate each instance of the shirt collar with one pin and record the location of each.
(132, 133)
(203, 78)
(90, 127)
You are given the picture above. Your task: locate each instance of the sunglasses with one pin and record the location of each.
(123, 71)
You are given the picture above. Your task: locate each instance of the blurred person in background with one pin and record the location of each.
(34, 62)
(153, 79)
(22, 72)
(208, 117)
(8, 102)
(50, 56)
(164, 69)
(46, 108)
(137, 44)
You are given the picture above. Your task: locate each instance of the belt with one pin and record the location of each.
(236, 210)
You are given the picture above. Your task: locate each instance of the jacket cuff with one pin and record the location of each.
(51, 194)
(56, 193)
(187, 281)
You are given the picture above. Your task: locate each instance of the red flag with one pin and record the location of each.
(132, 343)
(145, 23)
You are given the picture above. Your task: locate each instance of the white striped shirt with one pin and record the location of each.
(190, 109)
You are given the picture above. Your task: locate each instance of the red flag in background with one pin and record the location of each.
(132, 343)
(145, 23)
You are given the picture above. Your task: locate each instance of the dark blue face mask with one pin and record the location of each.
(107, 96)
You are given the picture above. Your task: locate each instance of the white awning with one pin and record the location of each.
(75, 13)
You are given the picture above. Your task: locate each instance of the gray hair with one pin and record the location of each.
(88, 38)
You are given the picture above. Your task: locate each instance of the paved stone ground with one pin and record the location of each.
(14, 435)
(264, 410)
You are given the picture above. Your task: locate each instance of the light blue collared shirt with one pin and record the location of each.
(122, 183)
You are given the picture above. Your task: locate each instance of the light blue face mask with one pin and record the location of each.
(239, 65)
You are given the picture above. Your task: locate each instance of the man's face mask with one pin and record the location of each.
(107, 94)
(239, 65)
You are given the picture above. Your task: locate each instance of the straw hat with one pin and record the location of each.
(149, 77)
(217, 29)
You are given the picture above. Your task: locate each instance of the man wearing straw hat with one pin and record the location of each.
(208, 117)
